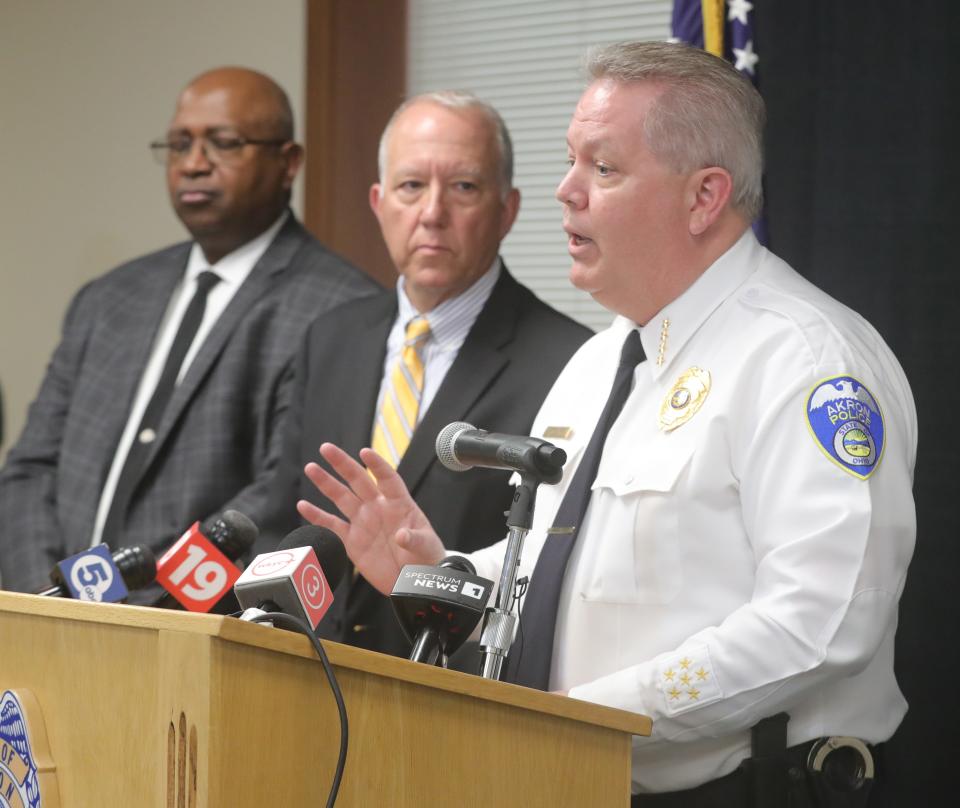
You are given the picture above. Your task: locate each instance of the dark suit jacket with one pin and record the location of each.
(219, 439)
(507, 364)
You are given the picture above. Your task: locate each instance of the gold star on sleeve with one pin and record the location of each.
(673, 693)
(693, 693)
(685, 663)
(685, 679)
(702, 674)
(668, 675)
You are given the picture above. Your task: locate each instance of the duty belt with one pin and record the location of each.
(833, 772)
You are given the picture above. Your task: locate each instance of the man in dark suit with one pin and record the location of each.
(91, 465)
(444, 202)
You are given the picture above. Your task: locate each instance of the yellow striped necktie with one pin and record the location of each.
(401, 400)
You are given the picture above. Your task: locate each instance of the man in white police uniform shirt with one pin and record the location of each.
(751, 518)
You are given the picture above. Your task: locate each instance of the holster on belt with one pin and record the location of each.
(767, 766)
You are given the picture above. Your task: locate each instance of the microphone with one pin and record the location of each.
(198, 569)
(438, 607)
(287, 587)
(291, 579)
(233, 532)
(461, 446)
(95, 575)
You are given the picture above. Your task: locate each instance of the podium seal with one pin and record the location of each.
(26, 780)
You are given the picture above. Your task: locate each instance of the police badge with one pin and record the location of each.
(685, 398)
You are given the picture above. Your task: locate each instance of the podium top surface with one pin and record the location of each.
(230, 629)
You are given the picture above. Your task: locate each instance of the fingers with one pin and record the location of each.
(322, 518)
(388, 481)
(421, 543)
(350, 470)
(334, 490)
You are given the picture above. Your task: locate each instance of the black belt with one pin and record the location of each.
(805, 786)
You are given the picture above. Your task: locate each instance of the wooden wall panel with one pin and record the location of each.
(356, 77)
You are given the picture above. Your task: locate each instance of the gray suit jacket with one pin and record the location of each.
(219, 439)
(504, 369)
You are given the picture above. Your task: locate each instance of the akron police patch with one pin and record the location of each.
(845, 419)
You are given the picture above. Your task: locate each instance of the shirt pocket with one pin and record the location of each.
(635, 555)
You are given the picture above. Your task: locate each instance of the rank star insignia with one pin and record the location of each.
(685, 398)
(692, 682)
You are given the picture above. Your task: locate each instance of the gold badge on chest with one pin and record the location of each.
(685, 398)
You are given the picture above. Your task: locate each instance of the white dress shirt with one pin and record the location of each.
(233, 270)
(450, 322)
(728, 568)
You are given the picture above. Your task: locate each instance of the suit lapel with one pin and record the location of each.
(263, 276)
(134, 328)
(362, 371)
(132, 331)
(479, 361)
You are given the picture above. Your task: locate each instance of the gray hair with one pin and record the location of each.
(709, 114)
(457, 99)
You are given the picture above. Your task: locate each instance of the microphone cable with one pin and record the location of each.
(296, 624)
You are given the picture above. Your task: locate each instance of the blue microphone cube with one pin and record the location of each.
(92, 575)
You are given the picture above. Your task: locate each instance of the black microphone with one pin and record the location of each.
(136, 565)
(330, 551)
(233, 533)
(298, 578)
(461, 446)
(438, 607)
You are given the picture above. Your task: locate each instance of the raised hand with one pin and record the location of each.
(384, 528)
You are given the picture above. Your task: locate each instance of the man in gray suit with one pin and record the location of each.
(445, 201)
(163, 402)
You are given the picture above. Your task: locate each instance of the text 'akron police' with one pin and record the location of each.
(847, 409)
(432, 580)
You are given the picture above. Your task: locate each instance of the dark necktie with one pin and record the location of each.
(539, 616)
(147, 432)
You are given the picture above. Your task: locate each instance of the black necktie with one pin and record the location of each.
(147, 432)
(539, 616)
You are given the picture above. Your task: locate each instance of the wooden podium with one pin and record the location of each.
(158, 709)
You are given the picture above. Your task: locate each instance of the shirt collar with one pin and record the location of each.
(234, 267)
(451, 320)
(679, 320)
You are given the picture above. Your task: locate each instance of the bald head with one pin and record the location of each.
(231, 177)
(268, 104)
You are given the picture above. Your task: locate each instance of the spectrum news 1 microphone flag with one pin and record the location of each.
(724, 28)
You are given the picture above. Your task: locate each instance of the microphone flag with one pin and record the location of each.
(195, 572)
(93, 576)
(290, 579)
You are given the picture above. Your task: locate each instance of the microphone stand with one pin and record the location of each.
(499, 623)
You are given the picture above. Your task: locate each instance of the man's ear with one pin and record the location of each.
(375, 198)
(511, 207)
(293, 156)
(708, 192)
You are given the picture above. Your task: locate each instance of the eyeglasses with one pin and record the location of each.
(216, 148)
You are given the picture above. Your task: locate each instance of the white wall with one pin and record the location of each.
(84, 86)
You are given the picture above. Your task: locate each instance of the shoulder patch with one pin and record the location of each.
(845, 420)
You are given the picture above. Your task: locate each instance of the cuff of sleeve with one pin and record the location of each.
(623, 690)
